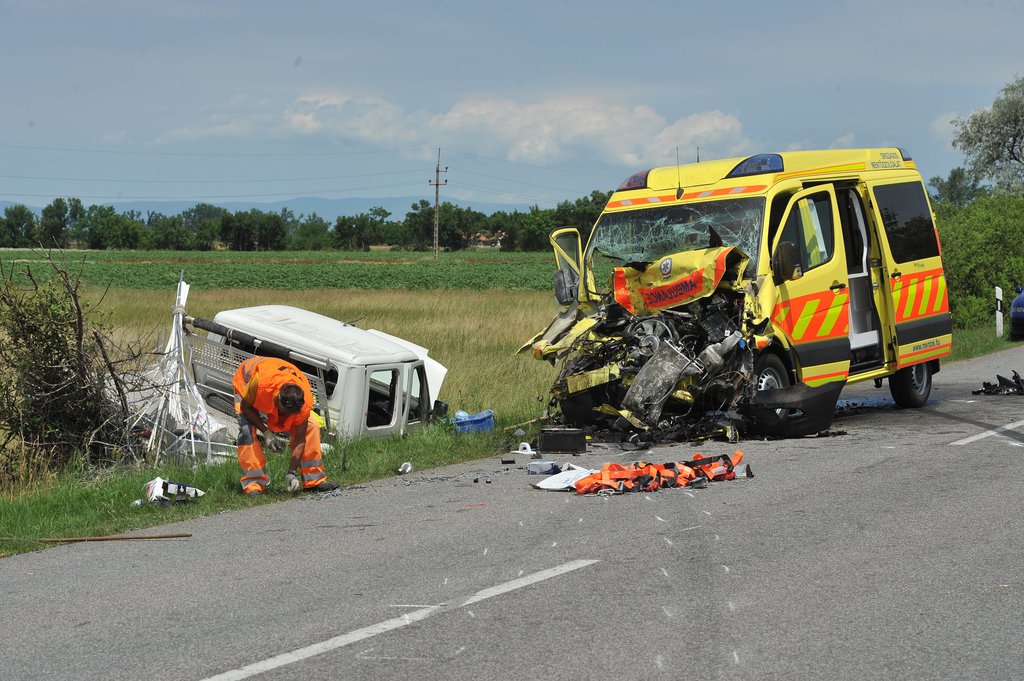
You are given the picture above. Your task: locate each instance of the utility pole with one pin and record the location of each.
(437, 184)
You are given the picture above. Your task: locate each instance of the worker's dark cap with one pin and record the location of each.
(291, 398)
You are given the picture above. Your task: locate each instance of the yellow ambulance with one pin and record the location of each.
(757, 286)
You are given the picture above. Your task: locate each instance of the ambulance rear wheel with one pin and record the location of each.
(770, 374)
(911, 386)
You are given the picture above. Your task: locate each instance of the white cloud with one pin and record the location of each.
(542, 132)
(709, 130)
(844, 141)
(942, 127)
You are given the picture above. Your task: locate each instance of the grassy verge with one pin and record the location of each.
(80, 504)
(968, 343)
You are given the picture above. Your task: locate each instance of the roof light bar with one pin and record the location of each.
(635, 181)
(758, 165)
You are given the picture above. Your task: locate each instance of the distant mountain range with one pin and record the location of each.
(328, 209)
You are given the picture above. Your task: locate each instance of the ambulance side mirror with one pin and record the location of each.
(786, 263)
(566, 286)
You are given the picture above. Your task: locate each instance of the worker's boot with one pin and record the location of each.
(325, 486)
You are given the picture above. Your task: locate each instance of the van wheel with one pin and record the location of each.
(910, 386)
(770, 374)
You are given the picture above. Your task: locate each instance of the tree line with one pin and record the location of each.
(69, 223)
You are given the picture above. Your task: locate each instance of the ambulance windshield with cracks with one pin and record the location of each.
(647, 234)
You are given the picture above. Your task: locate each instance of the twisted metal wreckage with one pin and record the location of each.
(669, 354)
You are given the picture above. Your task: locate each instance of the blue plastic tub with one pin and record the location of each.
(483, 420)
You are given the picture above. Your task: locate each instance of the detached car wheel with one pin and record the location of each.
(769, 374)
(911, 386)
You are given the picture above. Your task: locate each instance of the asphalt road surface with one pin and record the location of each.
(891, 550)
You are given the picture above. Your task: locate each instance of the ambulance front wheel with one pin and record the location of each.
(910, 386)
(770, 374)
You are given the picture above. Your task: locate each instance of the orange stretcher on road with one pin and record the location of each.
(615, 478)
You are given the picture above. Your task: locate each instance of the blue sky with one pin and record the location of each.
(529, 102)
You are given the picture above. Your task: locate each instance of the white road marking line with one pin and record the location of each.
(726, 568)
(668, 541)
(394, 623)
(659, 519)
(526, 581)
(735, 657)
(988, 433)
(664, 572)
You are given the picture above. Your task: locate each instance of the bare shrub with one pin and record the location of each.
(62, 391)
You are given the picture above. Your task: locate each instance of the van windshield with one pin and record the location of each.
(647, 234)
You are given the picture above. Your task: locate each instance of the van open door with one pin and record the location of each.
(812, 310)
(914, 281)
(568, 250)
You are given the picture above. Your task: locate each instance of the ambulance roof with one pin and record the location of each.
(751, 175)
(315, 334)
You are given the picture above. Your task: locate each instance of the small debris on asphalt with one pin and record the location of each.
(1003, 386)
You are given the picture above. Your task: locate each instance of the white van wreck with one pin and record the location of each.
(365, 382)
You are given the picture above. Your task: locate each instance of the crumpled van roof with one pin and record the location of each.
(315, 334)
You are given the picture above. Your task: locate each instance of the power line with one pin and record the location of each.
(437, 194)
(191, 197)
(551, 169)
(505, 179)
(205, 181)
(502, 192)
(202, 154)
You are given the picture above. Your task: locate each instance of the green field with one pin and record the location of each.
(300, 270)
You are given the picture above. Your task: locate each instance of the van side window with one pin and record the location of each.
(418, 395)
(778, 208)
(380, 405)
(907, 220)
(851, 215)
(810, 227)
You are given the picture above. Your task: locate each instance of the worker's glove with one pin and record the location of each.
(292, 482)
(275, 442)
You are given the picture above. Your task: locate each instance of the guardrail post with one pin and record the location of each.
(999, 312)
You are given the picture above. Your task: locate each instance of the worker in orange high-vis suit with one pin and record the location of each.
(280, 391)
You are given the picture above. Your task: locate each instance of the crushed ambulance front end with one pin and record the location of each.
(667, 349)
